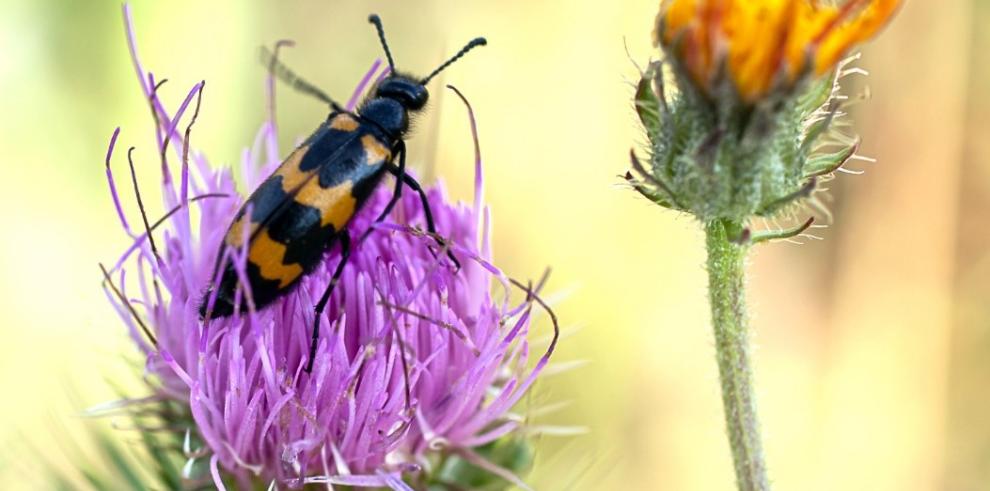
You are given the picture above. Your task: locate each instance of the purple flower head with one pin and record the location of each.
(414, 360)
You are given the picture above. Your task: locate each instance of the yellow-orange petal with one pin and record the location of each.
(763, 41)
(677, 15)
(836, 43)
(757, 32)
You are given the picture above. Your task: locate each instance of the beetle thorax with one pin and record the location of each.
(387, 113)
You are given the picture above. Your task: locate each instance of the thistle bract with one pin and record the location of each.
(738, 113)
(416, 363)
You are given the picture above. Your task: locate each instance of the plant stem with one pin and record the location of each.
(726, 278)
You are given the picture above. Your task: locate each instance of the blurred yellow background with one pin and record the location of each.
(873, 345)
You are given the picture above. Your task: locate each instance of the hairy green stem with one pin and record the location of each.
(726, 278)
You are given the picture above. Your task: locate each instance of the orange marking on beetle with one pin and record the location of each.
(292, 177)
(235, 236)
(374, 152)
(267, 255)
(336, 204)
(344, 122)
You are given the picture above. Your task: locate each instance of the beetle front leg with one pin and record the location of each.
(399, 173)
(400, 151)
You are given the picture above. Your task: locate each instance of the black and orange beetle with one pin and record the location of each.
(304, 207)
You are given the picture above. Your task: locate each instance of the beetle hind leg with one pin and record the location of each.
(345, 254)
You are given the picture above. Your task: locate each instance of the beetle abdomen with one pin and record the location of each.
(296, 214)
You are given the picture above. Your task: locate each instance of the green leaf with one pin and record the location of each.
(166, 467)
(776, 205)
(827, 163)
(817, 129)
(818, 93)
(512, 454)
(648, 103)
(122, 465)
(768, 235)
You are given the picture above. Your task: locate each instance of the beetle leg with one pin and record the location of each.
(345, 254)
(400, 151)
(399, 173)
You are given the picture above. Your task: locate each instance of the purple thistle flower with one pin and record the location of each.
(415, 360)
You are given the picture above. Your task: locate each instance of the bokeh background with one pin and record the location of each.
(873, 345)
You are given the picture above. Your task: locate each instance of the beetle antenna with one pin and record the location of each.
(285, 74)
(468, 47)
(377, 21)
